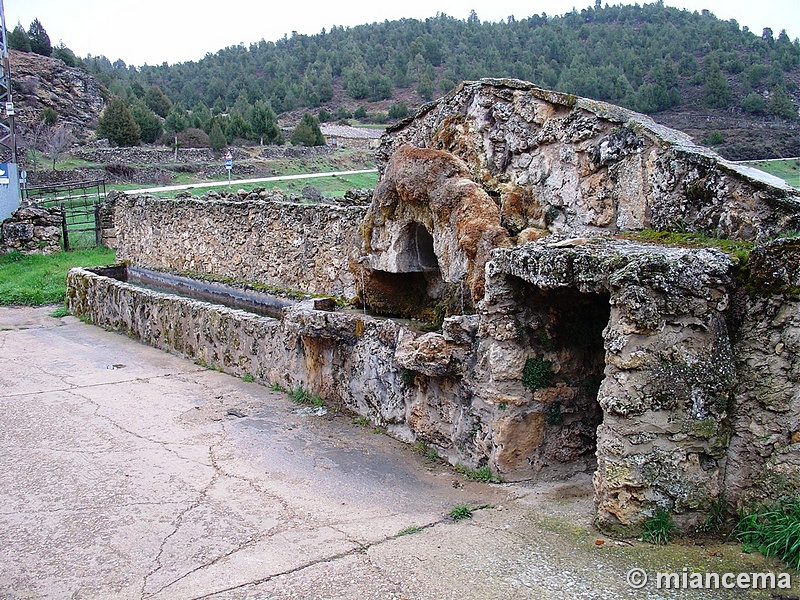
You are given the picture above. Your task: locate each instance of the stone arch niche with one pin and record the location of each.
(417, 253)
(561, 333)
(666, 362)
(426, 238)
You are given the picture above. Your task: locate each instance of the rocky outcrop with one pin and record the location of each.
(41, 82)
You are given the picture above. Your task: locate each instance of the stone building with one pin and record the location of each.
(345, 136)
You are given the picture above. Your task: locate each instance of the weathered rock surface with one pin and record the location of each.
(428, 216)
(41, 82)
(571, 164)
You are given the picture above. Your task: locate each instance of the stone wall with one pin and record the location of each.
(346, 357)
(142, 155)
(304, 247)
(161, 155)
(32, 230)
(764, 454)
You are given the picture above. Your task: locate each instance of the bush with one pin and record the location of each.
(754, 103)
(193, 138)
(715, 138)
(307, 132)
(398, 110)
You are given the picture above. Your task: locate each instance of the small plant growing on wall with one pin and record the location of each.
(536, 374)
(553, 415)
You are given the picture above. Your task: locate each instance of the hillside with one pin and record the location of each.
(728, 87)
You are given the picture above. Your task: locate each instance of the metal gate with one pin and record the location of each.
(79, 203)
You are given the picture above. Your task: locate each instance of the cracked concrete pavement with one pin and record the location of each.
(126, 472)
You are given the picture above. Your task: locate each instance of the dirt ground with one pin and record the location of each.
(126, 472)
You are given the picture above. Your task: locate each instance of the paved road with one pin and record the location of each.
(130, 473)
(191, 186)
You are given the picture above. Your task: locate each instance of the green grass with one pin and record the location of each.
(61, 311)
(483, 474)
(461, 512)
(659, 527)
(736, 249)
(300, 395)
(787, 169)
(35, 280)
(774, 531)
(409, 530)
(328, 185)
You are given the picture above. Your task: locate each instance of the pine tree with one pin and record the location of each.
(307, 132)
(716, 91)
(201, 117)
(65, 55)
(19, 40)
(216, 139)
(781, 105)
(157, 101)
(117, 124)
(40, 41)
(177, 120)
(238, 127)
(148, 122)
(264, 123)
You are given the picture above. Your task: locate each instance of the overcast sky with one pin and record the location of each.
(155, 31)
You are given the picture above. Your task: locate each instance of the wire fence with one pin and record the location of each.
(80, 204)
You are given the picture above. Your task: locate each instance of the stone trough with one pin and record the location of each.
(517, 319)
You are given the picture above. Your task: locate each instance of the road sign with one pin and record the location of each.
(228, 163)
(10, 109)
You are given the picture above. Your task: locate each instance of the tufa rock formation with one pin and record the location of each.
(640, 361)
(560, 163)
